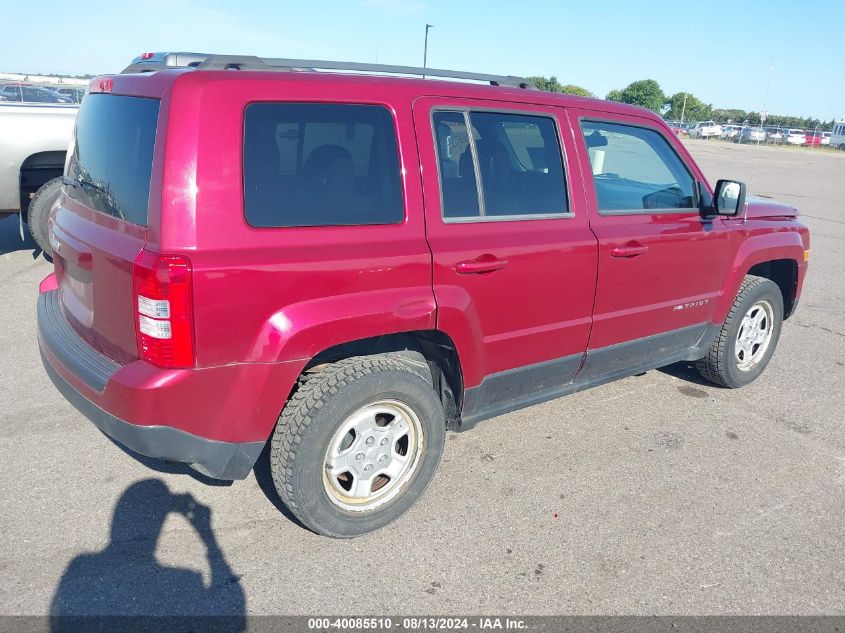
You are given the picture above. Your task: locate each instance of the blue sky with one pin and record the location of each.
(719, 51)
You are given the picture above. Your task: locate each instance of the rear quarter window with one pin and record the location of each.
(314, 164)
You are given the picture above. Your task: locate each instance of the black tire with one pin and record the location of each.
(39, 213)
(720, 366)
(313, 415)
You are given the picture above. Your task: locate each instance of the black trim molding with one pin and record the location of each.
(525, 386)
(73, 352)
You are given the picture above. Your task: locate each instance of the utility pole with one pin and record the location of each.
(425, 46)
(684, 108)
(764, 113)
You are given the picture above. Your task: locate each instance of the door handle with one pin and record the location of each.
(484, 264)
(631, 250)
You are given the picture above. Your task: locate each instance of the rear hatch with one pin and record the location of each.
(100, 227)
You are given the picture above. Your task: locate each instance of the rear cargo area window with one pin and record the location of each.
(112, 155)
(311, 164)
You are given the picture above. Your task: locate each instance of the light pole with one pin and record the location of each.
(425, 46)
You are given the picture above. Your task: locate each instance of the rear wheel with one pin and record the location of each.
(357, 444)
(748, 337)
(39, 213)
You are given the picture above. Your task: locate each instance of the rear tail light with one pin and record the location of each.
(163, 309)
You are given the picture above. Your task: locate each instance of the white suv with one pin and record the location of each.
(795, 136)
(705, 129)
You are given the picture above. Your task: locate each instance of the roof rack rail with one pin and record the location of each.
(160, 61)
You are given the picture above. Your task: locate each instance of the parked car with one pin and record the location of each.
(676, 127)
(74, 93)
(826, 138)
(34, 138)
(774, 134)
(730, 132)
(327, 262)
(751, 134)
(32, 94)
(794, 136)
(812, 138)
(705, 129)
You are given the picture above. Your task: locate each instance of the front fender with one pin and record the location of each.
(786, 244)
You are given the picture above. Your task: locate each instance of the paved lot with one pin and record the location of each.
(654, 495)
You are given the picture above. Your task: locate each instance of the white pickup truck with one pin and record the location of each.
(705, 129)
(34, 139)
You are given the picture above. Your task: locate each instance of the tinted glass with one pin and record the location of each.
(457, 171)
(635, 169)
(113, 155)
(520, 164)
(309, 164)
(518, 158)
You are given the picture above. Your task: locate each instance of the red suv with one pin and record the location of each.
(813, 138)
(349, 265)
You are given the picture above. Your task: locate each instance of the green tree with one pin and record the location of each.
(694, 109)
(614, 95)
(551, 84)
(645, 93)
(572, 89)
(734, 115)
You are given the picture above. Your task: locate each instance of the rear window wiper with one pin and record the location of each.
(87, 184)
(84, 183)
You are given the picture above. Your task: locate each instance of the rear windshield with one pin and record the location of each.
(318, 164)
(113, 155)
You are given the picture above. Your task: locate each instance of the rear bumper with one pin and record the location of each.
(221, 460)
(215, 419)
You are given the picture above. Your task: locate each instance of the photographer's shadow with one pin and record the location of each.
(125, 587)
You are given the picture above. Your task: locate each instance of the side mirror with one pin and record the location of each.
(729, 197)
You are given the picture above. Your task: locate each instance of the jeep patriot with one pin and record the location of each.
(347, 265)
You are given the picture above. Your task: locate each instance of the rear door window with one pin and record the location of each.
(516, 158)
(312, 164)
(112, 155)
(635, 170)
(458, 184)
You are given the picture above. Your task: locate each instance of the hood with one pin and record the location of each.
(769, 209)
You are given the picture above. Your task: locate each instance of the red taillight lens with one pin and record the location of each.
(147, 56)
(163, 309)
(100, 85)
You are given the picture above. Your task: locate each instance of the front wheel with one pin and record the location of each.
(357, 444)
(748, 337)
